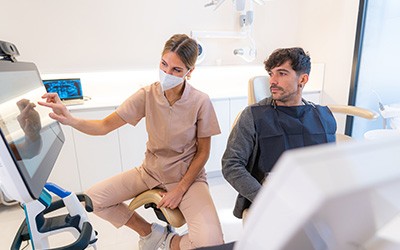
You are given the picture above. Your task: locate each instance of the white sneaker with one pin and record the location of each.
(167, 243)
(155, 239)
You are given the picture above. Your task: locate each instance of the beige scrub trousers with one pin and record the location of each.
(171, 146)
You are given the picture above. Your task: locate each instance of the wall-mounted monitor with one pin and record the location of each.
(30, 140)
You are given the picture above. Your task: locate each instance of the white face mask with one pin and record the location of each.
(168, 81)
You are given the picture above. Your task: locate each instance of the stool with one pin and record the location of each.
(151, 198)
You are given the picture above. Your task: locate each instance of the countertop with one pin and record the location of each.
(110, 89)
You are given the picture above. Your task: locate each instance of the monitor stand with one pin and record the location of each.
(37, 228)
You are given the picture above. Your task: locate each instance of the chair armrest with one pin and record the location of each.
(354, 111)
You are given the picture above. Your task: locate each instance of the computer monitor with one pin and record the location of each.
(65, 88)
(335, 197)
(30, 140)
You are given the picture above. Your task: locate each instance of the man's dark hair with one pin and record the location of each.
(299, 60)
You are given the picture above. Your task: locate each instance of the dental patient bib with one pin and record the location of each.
(280, 128)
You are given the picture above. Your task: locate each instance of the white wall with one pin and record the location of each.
(328, 30)
(102, 35)
(92, 35)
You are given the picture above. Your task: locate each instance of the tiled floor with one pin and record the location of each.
(123, 238)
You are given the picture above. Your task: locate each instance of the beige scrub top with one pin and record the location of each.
(172, 130)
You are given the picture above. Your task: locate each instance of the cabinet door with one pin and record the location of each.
(65, 172)
(98, 156)
(236, 106)
(218, 142)
(133, 144)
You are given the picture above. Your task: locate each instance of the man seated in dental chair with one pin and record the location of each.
(278, 123)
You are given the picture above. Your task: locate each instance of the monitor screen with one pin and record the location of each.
(30, 140)
(327, 197)
(65, 88)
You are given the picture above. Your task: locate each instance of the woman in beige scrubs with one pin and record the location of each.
(180, 121)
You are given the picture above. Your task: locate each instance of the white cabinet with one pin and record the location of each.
(65, 171)
(218, 142)
(86, 160)
(226, 110)
(133, 144)
(98, 157)
(237, 105)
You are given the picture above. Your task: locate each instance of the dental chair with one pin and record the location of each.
(351, 111)
(258, 89)
(150, 199)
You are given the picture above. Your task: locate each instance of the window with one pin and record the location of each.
(376, 62)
